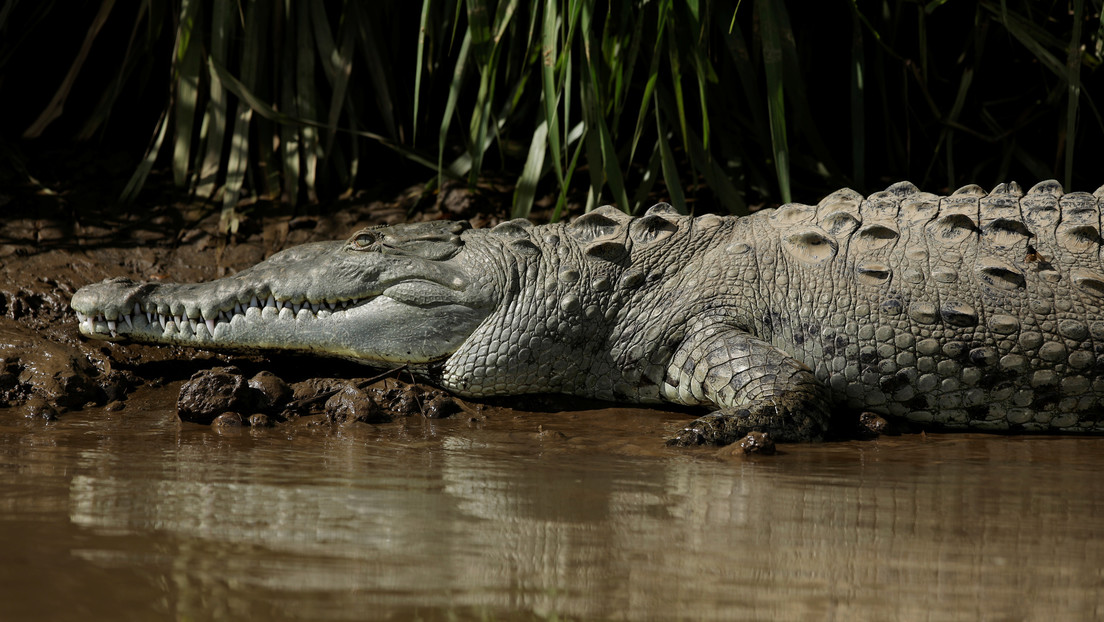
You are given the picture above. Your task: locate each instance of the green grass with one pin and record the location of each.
(729, 103)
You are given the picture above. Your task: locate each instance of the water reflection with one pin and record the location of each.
(498, 520)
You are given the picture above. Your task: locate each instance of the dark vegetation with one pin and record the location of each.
(567, 104)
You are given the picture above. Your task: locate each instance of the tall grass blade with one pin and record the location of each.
(481, 119)
(576, 134)
(479, 27)
(306, 104)
(222, 24)
(646, 98)
(749, 85)
(595, 165)
(239, 145)
(566, 64)
(450, 103)
(800, 117)
(714, 174)
(379, 68)
(716, 177)
(5, 11)
(1033, 37)
(337, 65)
(186, 69)
(526, 189)
(645, 107)
(675, 67)
(235, 170)
(952, 119)
(236, 87)
(670, 167)
(1073, 88)
(486, 52)
(138, 179)
(99, 117)
(652, 172)
(776, 104)
(290, 144)
(610, 166)
(549, 60)
(858, 105)
(419, 64)
(692, 46)
(54, 108)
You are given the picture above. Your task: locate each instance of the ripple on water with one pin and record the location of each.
(584, 514)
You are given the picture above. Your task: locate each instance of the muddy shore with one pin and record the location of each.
(51, 244)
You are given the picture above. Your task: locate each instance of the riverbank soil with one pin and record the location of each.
(145, 483)
(57, 238)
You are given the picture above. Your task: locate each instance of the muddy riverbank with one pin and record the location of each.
(111, 507)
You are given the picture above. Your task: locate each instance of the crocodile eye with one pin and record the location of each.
(364, 240)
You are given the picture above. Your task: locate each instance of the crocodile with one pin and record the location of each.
(975, 310)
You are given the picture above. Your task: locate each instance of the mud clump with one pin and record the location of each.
(755, 443)
(440, 405)
(400, 401)
(228, 420)
(37, 408)
(260, 420)
(270, 392)
(73, 386)
(37, 372)
(212, 392)
(353, 404)
(266, 400)
(872, 425)
(407, 400)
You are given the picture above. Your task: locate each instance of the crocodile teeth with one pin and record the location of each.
(182, 324)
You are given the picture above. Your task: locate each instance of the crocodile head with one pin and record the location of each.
(400, 294)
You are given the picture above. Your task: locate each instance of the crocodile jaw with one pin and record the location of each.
(365, 331)
(367, 307)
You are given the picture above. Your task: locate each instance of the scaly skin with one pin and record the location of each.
(975, 310)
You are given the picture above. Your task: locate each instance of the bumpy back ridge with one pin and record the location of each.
(919, 234)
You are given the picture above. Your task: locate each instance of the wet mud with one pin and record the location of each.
(49, 248)
(142, 482)
(505, 514)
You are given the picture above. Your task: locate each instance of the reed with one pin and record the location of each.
(729, 101)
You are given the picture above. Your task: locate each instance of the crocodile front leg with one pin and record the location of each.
(755, 387)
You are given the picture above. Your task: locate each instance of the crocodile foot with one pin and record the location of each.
(725, 427)
(713, 429)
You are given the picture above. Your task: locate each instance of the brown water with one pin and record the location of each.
(132, 515)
